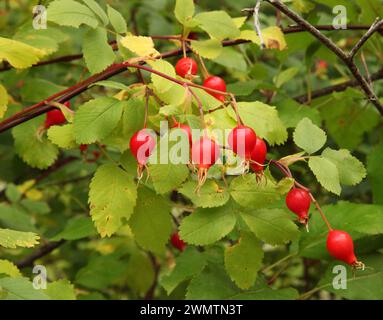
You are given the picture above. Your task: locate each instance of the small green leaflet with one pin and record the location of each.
(98, 54)
(308, 136)
(117, 20)
(206, 226)
(19, 54)
(35, 149)
(210, 195)
(112, 197)
(71, 13)
(96, 8)
(188, 264)
(184, 11)
(167, 177)
(12, 239)
(274, 226)
(218, 24)
(3, 100)
(248, 192)
(8, 268)
(20, 289)
(351, 170)
(151, 228)
(62, 136)
(76, 228)
(209, 49)
(243, 260)
(326, 173)
(60, 290)
(95, 119)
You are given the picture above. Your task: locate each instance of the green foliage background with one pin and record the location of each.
(111, 235)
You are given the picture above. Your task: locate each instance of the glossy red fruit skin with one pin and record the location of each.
(242, 140)
(177, 242)
(258, 155)
(205, 152)
(186, 66)
(186, 129)
(55, 117)
(341, 246)
(299, 201)
(141, 146)
(216, 83)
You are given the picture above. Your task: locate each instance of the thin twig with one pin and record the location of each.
(374, 27)
(370, 94)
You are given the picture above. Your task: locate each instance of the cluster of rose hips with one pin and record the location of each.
(205, 152)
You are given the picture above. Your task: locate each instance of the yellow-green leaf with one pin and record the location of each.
(12, 239)
(141, 46)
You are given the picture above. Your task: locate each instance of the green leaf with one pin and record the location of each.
(62, 136)
(3, 100)
(264, 120)
(184, 11)
(139, 272)
(274, 226)
(96, 8)
(12, 193)
(285, 76)
(36, 89)
(19, 54)
(60, 290)
(243, 260)
(71, 13)
(188, 264)
(160, 83)
(232, 59)
(206, 226)
(242, 88)
(167, 177)
(20, 289)
(12, 239)
(100, 272)
(76, 228)
(95, 119)
(151, 228)
(308, 136)
(112, 196)
(212, 283)
(8, 268)
(117, 20)
(291, 113)
(351, 170)
(347, 120)
(209, 49)
(326, 173)
(248, 192)
(375, 172)
(98, 54)
(13, 217)
(210, 195)
(218, 24)
(34, 149)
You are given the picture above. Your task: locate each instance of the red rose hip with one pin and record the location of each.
(186, 67)
(177, 242)
(216, 83)
(341, 247)
(242, 140)
(258, 155)
(55, 117)
(298, 201)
